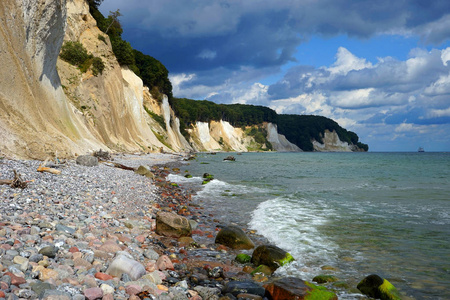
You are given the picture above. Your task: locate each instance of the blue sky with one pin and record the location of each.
(379, 68)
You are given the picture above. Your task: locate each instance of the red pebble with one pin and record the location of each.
(103, 276)
(15, 280)
(2, 294)
(74, 249)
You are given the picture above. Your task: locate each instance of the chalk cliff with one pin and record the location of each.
(35, 117)
(49, 107)
(332, 143)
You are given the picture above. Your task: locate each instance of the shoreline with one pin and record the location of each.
(90, 214)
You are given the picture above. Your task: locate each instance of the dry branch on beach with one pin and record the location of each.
(43, 168)
(16, 182)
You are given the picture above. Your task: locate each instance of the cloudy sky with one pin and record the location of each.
(379, 68)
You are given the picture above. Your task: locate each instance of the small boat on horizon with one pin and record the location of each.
(421, 149)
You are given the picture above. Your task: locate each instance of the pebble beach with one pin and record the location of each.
(62, 235)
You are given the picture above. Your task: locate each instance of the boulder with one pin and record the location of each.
(234, 237)
(295, 288)
(172, 225)
(123, 264)
(376, 287)
(145, 171)
(271, 256)
(87, 160)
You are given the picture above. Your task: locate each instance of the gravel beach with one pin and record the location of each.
(89, 233)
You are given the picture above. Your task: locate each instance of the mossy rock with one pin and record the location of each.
(234, 237)
(341, 285)
(174, 184)
(188, 176)
(376, 287)
(208, 176)
(271, 256)
(319, 293)
(205, 181)
(324, 278)
(296, 288)
(243, 258)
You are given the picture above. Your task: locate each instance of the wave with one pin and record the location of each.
(294, 227)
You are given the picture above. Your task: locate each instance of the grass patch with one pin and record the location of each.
(157, 118)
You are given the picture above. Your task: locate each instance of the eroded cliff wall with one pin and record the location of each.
(36, 119)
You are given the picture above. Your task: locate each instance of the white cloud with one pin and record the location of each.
(346, 62)
(445, 56)
(437, 113)
(207, 54)
(405, 127)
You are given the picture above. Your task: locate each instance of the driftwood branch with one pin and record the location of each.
(17, 182)
(43, 168)
(120, 166)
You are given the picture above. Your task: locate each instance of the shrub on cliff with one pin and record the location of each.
(74, 53)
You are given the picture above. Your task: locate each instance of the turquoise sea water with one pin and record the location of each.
(360, 213)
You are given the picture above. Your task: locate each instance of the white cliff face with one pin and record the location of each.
(279, 141)
(175, 138)
(36, 119)
(331, 143)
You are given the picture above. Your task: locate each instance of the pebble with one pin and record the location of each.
(88, 233)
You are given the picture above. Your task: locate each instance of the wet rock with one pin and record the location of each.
(234, 237)
(87, 160)
(172, 225)
(123, 264)
(295, 288)
(249, 297)
(324, 278)
(271, 256)
(376, 287)
(238, 287)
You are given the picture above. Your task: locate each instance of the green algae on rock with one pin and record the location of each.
(324, 278)
(272, 256)
(243, 258)
(234, 237)
(376, 287)
(319, 293)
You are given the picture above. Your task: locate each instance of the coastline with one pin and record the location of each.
(89, 215)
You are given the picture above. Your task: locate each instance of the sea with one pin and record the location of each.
(343, 214)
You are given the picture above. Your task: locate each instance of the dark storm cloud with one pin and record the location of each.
(207, 34)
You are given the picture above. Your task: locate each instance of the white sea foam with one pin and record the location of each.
(294, 228)
(181, 179)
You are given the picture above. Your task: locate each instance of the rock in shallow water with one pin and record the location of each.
(234, 237)
(376, 287)
(271, 256)
(295, 288)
